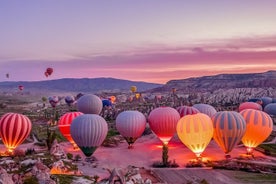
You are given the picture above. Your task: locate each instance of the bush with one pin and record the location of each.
(69, 156)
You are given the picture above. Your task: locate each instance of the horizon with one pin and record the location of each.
(146, 41)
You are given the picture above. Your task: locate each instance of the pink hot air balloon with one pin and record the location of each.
(163, 121)
(53, 100)
(131, 125)
(186, 110)
(250, 105)
(64, 124)
(14, 129)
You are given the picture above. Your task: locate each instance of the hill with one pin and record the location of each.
(92, 85)
(221, 81)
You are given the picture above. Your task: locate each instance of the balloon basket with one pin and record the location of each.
(130, 146)
(90, 159)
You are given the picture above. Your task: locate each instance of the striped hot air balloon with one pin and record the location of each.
(131, 125)
(250, 105)
(89, 104)
(64, 124)
(14, 129)
(259, 126)
(205, 109)
(229, 128)
(163, 121)
(186, 110)
(195, 131)
(88, 131)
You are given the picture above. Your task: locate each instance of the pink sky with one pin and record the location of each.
(140, 41)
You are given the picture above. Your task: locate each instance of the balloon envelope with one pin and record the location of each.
(229, 128)
(131, 125)
(270, 109)
(69, 100)
(195, 131)
(14, 129)
(250, 105)
(163, 121)
(88, 131)
(133, 89)
(64, 124)
(266, 101)
(259, 126)
(107, 103)
(205, 109)
(186, 110)
(89, 104)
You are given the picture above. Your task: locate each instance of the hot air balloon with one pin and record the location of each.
(256, 100)
(270, 109)
(89, 104)
(69, 100)
(186, 110)
(133, 89)
(7, 75)
(49, 71)
(195, 131)
(64, 124)
(53, 100)
(20, 87)
(205, 109)
(229, 128)
(259, 126)
(137, 95)
(88, 131)
(14, 129)
(106, 103)
(131, 125)
(112, 99)
(163, 121)
(266, 101)
(250, 105)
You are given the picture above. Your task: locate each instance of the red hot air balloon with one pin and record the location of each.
(64, 124)
(14, 129)
(163, 121)
(20, 87)
(49, 71)
(186, 110)
(131, 125)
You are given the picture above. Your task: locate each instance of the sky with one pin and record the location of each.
(146, 40)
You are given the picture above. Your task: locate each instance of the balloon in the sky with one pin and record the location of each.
(131, 125)
(206, 109)
(88, 131)
(250, 105)
(89, 104)
(229, 128)
(163, 121)
(69, 100)
(133, 89)
(259, 126)
(195, 131)
(49, 71)
(14, 129)
(186, 110)
(270, 109)
(64, 124)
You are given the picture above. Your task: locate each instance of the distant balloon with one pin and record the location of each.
(133, 89)
(259, 126)
(195, 131)
(131, 125)
(106, 103)
(64, 124)
(79, 95)
(20, 87)
(48, 72)
(229, 128)
(8, 75)
(186, 110)
(44, 99)
(88, 131)
(14, 129)
(250, 105)
(53, 100)
(69, 100)
(270, 109)
(137, 95)
(163, 121)
(112, 99)
(266, 101)
(89, 104)
(206, 109)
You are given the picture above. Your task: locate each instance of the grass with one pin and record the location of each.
(270, 149)
(254, 177)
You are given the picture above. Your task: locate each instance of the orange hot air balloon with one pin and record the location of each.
(133, 89)
(259, 126)
(195, 131)
(163, 121)
(137, 95)
(64, 124)
(14, 129)
(112, 99)
(250, 105)
(229, 128)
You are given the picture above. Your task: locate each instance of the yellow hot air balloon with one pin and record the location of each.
(195, 131)
(259, 126)
(133, 89)
(137, 95)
